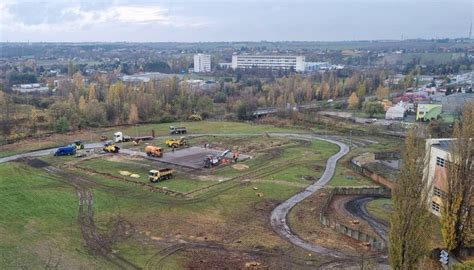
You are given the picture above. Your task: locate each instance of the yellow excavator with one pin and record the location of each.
(175, 143)
(111, 148)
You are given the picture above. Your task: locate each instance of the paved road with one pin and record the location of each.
(280, 213)
(358, 207)
(44, 152)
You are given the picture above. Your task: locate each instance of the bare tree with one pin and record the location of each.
(457, 224)
(410, 219)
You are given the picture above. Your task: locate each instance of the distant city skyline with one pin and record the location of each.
(232, 20)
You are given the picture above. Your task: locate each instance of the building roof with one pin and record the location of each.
(396, 109)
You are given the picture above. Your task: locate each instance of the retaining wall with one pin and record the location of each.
(375, 242)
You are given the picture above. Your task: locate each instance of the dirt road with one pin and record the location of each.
(280, 213)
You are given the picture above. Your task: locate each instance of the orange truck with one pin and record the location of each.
(153, 151)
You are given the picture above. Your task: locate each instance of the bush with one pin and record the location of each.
(61, 125)
(195, 117)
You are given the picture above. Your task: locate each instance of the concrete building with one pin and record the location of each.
(276, 62)
(438, 155)
(202, 63)
(30, 88)
(396, 112)
(146, 77)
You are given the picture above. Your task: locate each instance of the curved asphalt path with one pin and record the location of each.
(358, 207)
(280, 213)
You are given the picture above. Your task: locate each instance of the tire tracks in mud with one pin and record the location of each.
(358, 207)
(98, 244)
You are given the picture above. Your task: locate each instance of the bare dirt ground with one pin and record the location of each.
(337, 210)
(305, 222)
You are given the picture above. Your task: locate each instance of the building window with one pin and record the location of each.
(440, 161)
(438, 192)
(435, 207)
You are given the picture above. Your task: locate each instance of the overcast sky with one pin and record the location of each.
(232, 20)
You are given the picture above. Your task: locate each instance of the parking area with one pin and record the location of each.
(190, 157)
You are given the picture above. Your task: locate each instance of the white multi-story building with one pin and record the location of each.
(284, 62)
(202, 63)
(438, 156)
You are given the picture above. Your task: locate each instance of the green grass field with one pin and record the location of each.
(38, 220)
(39, 217)
(381, 208)
(93, 135)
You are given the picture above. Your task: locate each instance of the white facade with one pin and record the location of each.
(284, 62)
(395, 113)
(437, 151)
(202, 63)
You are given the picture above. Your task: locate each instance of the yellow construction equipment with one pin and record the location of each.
(111, 148)
(161, 174)
(175, 143)
(154, 151)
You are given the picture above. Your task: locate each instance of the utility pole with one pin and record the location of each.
(350, 137)
(326, 130)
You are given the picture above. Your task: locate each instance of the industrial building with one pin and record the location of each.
(30, 88)
(285, 62)
(202, 63)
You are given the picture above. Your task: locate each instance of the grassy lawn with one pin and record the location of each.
(347, 177)
(38, 220)
(217, 127)
(93, 135)
(381, 208)
(39, 216)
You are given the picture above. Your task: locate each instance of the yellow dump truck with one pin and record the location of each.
(175, 143)
(160, 174)
(154, 151)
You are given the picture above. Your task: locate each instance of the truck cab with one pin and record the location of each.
(118, 137)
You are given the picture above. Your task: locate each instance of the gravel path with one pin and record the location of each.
(279, 215)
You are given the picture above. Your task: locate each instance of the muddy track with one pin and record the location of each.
(358, 207)
(97, 243)
(157, 260)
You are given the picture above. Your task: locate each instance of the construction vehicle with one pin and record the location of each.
(175, 143)
(111, 148)
(160, 174)
(119, 137)
(66, 151)
(153, 151)
(78, 144)
(177, 130)
(212, 161)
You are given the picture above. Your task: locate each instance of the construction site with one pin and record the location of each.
(196, 200)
